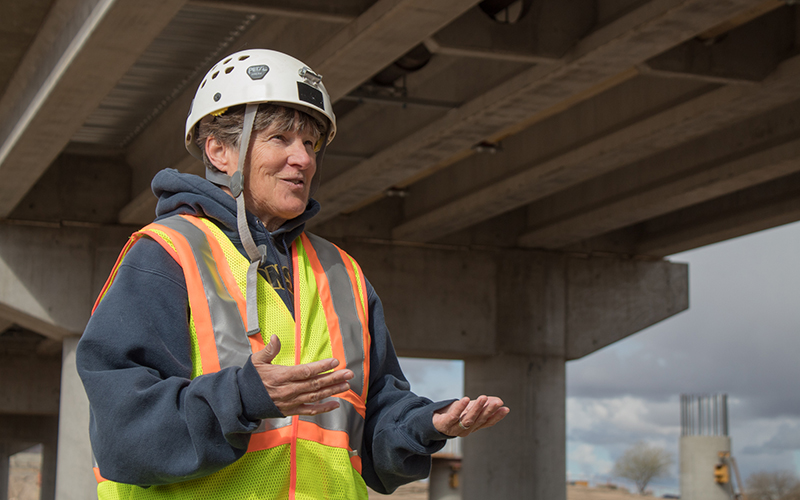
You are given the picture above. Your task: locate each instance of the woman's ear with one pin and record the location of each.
(221, 155)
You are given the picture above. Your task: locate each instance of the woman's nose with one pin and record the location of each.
(300, 155)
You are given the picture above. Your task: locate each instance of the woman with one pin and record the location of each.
(233, 355)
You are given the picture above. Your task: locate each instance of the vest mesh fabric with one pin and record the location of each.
(197, 364)
(339, 476)
(227, 484)
(316, 342)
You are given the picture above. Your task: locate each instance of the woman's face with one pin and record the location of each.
(278, 175)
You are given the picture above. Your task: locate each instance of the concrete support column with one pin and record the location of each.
(75, 479)
(4, 465)
(698, 456)
(444, 482)
(49, 461)
(525, 457)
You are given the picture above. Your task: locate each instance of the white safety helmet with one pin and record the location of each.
(249, 78)
(259, 76)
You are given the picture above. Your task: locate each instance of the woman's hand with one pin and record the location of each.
(301, 389)
(463, 417)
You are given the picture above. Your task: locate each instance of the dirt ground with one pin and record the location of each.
(419, 491)
(585, 493)
(412, 491)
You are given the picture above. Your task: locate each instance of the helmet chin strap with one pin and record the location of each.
(257, 255)
(235, 182)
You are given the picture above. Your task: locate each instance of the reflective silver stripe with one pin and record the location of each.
(233, 346)
(345, 418)
(269, 424)
(344, 303)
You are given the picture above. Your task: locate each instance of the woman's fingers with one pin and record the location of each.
(299, 390)
(464, 417)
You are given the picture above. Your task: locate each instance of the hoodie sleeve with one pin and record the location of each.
(151, 423)
(399, 436)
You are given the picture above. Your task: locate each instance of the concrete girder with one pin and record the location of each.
(50, 277)
(745, 53)
(31, 384)
(435, 47)
(761, 207)
(610, 299)
(545, 34)
(715, 165)
(81, 51)
(352, 54)
(485, 303)
(101, 183)
(331, 12)
(656, 133)
(378, 37)
(601, 56)
(20, 432)
(573, 132)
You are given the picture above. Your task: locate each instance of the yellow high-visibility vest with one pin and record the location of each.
(298, 457)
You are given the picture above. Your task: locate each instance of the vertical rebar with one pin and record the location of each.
(716, 415)
(725, 415)
(704, 415)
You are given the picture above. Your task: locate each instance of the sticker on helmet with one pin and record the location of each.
(257, 72)
(309, 94)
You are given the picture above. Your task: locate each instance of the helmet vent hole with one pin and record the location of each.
(242, 58)
(228, 70)
(203, 84)
(214, 75)
(227, 61)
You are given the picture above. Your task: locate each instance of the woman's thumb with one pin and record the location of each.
(270, 351)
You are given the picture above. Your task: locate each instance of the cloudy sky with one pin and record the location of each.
(740, 336)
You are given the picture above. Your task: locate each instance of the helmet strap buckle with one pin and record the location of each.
(236, 184)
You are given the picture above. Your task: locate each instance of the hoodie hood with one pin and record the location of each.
(179, 193)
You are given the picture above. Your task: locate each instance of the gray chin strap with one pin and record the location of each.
(257, 255)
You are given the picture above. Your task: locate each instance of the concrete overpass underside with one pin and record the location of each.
(510, 174)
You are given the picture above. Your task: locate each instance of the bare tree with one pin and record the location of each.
(780, 485)
(642, 463)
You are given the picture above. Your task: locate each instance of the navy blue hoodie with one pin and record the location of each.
(151, 424)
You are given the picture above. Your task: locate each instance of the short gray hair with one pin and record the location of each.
(227, 127)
